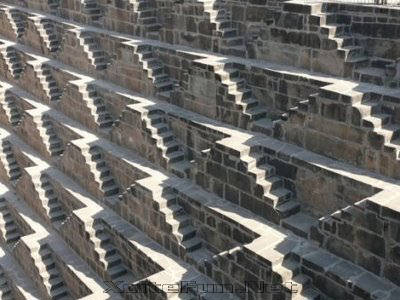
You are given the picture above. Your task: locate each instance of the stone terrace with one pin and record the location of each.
(196, 149)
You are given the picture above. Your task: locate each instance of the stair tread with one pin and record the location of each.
(308, 294)
(191, 242)
(372, 71)
(300, 222)
(277, 193)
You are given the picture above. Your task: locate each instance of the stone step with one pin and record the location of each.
(110, 190)
(12, 237)
(106, 250)
(192, 244)
(178, 222)
(350, 52)
(288, 208)
(58, 215)
(56, 283)
(165, 200)
(111, 261)
(256, 113)
(308, 294)
(300, 224)
(287, 269)
(368, 108)
(171, 211)
(376, 120)
(185, 233)
(302, 7)
(278, 196)
(59, 293)
(182, 169)
(159, 128)
(388, 133)
(334, 30)
(393, 149)
(175, 156)
(117, 271)
(301, 282)
(370, 75)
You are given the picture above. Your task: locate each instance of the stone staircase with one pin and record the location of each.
(155, 70)
(49, 273)
(46, 79)
(224, 29)
(12, 61)
(100, 170)
(374, 118)
(16, 21)
(6, 292)
(179, 222)
(9, 162)
(361, 67)
(240, 96)
(47, 33)
(147, 17)
(49, 198)
(95, 54)
(270, 187)
(96, 105)
(164, 139)
(380, 71)
(8, 226)
(335, 27)
(92, 9)
(52, 142)
(106, 252)
(292, 277)
(273, 191)
(371, 115)
(338, 29)
(13, 114)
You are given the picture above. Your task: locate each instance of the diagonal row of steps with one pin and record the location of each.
(9, 106)
(46, 79)
(16, 21)
(368, 113)
(180, 223)
(106, 251)
(172, 152)
(8, 227)
(12, 60)
(155, 70)
(8, 160)
(335, 27)
(96, 105)
(270, 188)
(6, 292)
(52, 142)
(100, 170)
(293, 279)
(49, 273)
(147, 17)
(47, 33)
(240, 95)
(92, 9)
(49, 199)
(92, 49)
(380, 71)
(230, 41)
(374, 118)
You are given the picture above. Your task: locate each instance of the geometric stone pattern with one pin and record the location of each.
(199, 150)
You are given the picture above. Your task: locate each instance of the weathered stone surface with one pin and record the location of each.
(209, 158)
